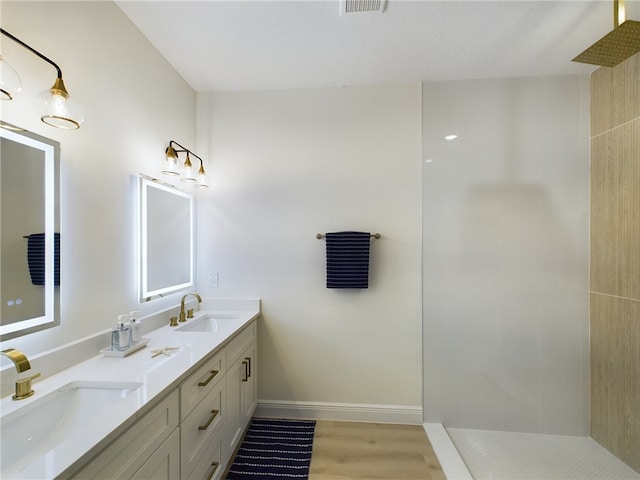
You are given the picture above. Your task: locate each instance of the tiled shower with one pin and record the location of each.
(506, 258)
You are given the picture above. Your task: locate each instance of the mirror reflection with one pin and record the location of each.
(29, 239)
(166, 238)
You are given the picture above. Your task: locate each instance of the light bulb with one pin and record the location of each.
(171, 162)
(202, 178)
(59, 109)
(187, 171)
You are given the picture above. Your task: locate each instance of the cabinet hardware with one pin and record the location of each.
(214, 414)
(248, 359)
(246, 371)
(215, 467)
(206, 382)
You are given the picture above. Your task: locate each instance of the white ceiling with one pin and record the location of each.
(261, 45)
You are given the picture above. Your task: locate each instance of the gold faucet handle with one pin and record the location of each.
(173, 322)
(190, 313)
(23, 388)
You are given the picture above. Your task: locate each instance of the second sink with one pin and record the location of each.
(206, 323)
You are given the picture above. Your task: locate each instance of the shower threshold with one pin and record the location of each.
(523, 456)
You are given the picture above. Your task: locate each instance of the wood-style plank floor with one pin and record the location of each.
(356, 451)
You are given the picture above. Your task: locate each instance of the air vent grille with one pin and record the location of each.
(362, 6)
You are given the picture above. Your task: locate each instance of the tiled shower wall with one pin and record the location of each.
(615, 259)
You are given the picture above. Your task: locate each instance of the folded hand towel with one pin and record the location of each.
(36, 258)
(348, 259)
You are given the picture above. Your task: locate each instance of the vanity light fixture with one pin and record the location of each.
(172, 166)
(10, 82)
(58, 108)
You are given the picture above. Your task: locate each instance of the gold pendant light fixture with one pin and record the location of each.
(173, 168)
(58, 108)
(618, 45)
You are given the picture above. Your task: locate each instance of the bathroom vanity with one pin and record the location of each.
(178, 409)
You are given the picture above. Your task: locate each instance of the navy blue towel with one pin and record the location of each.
(36, 260)
(348, 259)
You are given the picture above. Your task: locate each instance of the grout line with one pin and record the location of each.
(615, 296)
(615, 127)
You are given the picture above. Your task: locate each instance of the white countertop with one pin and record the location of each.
(159, 375)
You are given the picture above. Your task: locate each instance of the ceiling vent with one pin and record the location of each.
(362, 6)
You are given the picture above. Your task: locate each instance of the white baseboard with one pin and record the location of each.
(346, 412)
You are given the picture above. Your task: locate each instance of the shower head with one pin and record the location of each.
(618, 45)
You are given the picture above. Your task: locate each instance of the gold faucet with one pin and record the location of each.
(183, 315)
(23, 386)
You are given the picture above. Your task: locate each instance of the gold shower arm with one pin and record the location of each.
(619, 13)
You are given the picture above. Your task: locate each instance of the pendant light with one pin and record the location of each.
(58, 109)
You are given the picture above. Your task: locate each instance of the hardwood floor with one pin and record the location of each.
(350, 451)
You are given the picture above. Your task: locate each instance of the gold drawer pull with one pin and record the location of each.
(206, 382)
(214, 414)
(215, 467)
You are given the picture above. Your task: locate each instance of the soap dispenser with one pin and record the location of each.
(136, 327)
(124, 334)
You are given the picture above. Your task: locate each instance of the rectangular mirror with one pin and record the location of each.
(166, 233)
(29, 236)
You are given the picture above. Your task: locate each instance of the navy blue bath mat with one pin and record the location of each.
(274, 448)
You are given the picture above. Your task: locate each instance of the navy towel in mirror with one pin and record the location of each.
(348, 259)
(36, 259)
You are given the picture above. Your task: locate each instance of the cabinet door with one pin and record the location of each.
(248, 398)
(241, 398)
(164, 464)
(233, 429)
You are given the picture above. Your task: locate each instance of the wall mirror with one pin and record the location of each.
(29, 232)
(166, 233)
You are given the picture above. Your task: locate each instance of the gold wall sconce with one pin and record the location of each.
(58, 108)
(186, 171)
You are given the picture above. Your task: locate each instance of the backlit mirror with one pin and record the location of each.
(166, 232)
(29, 232)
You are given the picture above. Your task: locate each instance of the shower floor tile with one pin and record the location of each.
(525, 456)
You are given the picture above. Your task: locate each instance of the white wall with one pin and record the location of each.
(288, 165)
(134, 103)
(505, 236)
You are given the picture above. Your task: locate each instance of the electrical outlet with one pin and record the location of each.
(213, 279)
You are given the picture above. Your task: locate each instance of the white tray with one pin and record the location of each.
(107, 352)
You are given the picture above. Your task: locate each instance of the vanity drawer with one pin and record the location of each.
(240, 342)
(210, 465)
(201, 426)
(200, 383)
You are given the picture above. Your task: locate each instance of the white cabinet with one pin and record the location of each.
(144, 447)
(201, 382)
(199, 430)
(212, 408)
(241, 387)
(164, 463)
(249, 384)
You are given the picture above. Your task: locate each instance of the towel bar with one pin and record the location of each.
(374, 235)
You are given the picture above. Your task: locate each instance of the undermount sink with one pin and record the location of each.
(206, 323)
(38, 427)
